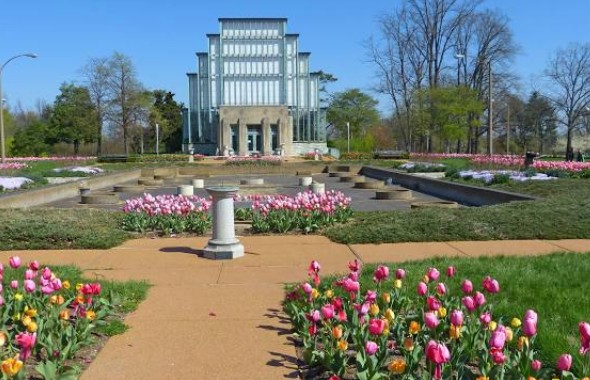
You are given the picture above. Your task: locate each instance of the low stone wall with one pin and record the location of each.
(463, 194)
(52, 193)
(290, 168)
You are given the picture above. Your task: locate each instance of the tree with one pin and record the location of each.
(125, 93)
(540, 121)
(73, 120)
(168, 113)
(353, 107)
(569, 73)
(97, 74)
(31, 140)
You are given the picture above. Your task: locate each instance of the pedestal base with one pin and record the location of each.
(217, 250)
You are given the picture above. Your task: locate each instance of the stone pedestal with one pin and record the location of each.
(223, 245)
(198, 183)
(318, 188)
(305, 181)
(186, 190)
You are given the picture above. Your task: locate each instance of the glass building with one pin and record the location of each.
(253, 93)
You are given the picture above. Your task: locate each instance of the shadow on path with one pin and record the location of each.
(280, 359)
(188, 250)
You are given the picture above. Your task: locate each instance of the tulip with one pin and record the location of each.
(334, 377)
(584, 328)
(498, 356)
(536, 365)
(400, 274)
(351, 286)
(515, 323)
(389, 315)
(11, 366)
(371, 296)
(397, 284)
(314, 267)
(14, 262)
(422, 288)
(485, 318)
(327, 311)
(29, 274)
(491, 285)
(498, 338)
(432, 303)
(354, 266)
(371, 348)
(374, 309)
(441, 289)
(441, 312)
(564, 363)
(342, 345)
(14, 284)
(397, 366)
(386, 297)
(34, 265)
(455, 332)
(451, 271)
(337, 332)
(469, 303)
(26, 342)
(414, 327)
(29, 286)
(433, 274)
(479, 299)
(376, 326)
(430, 320)
(381, 273)
(529, 324)
(457, 317)
(467, 287)
(437, 353)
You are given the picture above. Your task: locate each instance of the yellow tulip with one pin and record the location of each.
(523, 341)
(455, 332)
(329, 293)
(30, 312)
(515, 323)
(441, 312)
(374, 309)
(64, 314)
(11, 366)
(2, 338)
(533, 378)
(26, 320)
(32, 327)
(18, 296)
(414, 327)
(389, 315)
(482, 378)
(90, 315)
(509, 334)
(315, 293)
(397, 284)
(386, 297)
(79, 286)
(66, 284)
(342, 345)
(397, 366)
(492, 326)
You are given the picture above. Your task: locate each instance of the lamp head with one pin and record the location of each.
(31, 55)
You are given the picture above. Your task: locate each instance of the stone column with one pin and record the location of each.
(223, 245)
(266, 137)
(243, 138)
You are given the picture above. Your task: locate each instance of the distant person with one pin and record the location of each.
(580, 156)
(569, 154)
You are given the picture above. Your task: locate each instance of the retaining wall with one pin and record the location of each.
(463, 194)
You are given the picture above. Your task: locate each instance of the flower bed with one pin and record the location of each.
(499, 176)
(167, 214)
(13, 183)
(254, 161)
(45, 320)
(13, 165)
(435, 329)
(77, 170)
(306, 211)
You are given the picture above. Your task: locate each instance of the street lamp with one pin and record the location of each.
(2, 142)
(459, 58)
(347, 137)
(490, 111)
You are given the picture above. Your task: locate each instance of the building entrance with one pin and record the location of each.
(254, 139)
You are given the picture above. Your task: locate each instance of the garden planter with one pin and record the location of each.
(394, 194)
(198, 183)
(369, 185)
(185, 190)
(252, 181)
(129, 189)
(305, 181)
(84, 190)
(437, 204)
(100, 199)
(318, 188)
(353, 178)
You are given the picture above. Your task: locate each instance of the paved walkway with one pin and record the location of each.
(207, 319)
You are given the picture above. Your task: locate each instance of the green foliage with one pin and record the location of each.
(168, 114)
(194, 222)
(46, 228)
(563, 214)
(31, 140)
(365, 144)
(356, 108)
(243, 213)
(355, 156)
(73, 120)
(306, 221)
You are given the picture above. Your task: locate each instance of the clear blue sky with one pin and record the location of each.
(162, 37)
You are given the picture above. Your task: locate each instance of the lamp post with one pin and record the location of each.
(459, 57)
(347, 137)
(2, 142)
(490, 111)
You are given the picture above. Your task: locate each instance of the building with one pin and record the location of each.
(253, 93)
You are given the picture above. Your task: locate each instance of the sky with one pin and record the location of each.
(162, 37)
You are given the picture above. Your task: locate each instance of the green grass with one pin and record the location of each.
(555, 286)
(46, 228)
(564, 213)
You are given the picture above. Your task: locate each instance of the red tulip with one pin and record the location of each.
(437, 353)
(376, 326)
(381, 273)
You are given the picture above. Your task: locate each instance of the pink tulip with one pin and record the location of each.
(467, 287)
(437, 353)
(362, 309)
(430, 320)
(433, 274)
(485, 318)
(29, 286)
(327, 311)
(14, 284)
(381, 273)
(422, 289)
(451, 271)
(498, 356)
(34, 265)
(564, 363)
(584, 328)
(457, 317)
(529, 323)
(314, 267)
(536, 365)
(376, 326)
(469, 303)
(46, 273)
(354, 266)
(26, 342)
(432, 303)
(371, 348)
(479, 299)
(400, 274)
(351, 286)
(307, 288)
(29, 274)
(441, 289)
(498, 338)
(371, 296)
(14, 262)
(491, 285)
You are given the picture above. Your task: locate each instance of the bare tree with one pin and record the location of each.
(96, 73)
(125, 91)
(569, 73)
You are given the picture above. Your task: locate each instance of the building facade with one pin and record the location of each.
(253, 93)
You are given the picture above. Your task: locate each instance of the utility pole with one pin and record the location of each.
(490, 111)
(508, 127)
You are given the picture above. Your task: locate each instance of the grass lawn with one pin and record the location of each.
(555, 286)
(46, 228)
(564, 213)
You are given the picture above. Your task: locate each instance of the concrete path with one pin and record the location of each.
(207, 319)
